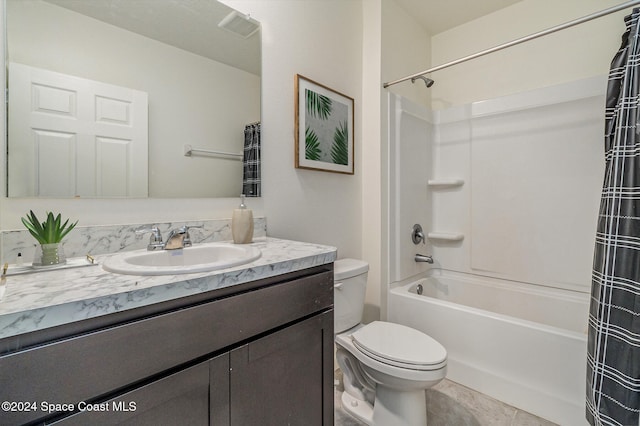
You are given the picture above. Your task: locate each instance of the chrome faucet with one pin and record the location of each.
(155, 241)
(423, 258)
(177, 238)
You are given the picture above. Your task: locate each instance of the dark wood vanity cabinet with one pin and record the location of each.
(179, 399)
(258, 354)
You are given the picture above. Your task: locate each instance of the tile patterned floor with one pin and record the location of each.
(451, 404)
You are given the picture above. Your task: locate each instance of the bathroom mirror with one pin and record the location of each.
(165, 74)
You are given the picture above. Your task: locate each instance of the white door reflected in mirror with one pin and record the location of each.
(75, 137)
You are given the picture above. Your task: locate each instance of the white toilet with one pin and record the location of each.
(386, 367)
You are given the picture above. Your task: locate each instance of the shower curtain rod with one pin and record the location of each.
(551, 30)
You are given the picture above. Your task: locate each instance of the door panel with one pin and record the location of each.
(90, 115)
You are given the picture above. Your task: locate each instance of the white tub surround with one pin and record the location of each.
(506, 188)
(37, 301)
(507, 191)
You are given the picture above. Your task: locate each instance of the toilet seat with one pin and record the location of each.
(400, 346)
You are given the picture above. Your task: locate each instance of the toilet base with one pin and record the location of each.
(357, 408)
(390, 408)
(393, 407)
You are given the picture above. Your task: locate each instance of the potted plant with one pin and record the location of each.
(49, 234)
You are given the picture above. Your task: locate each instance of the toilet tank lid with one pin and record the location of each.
(348, 268)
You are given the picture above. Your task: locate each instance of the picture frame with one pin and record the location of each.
(324, 124)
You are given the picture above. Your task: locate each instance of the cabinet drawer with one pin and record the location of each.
(181, 398)
(101, 362)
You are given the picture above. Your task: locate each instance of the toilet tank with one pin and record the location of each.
(350, 285)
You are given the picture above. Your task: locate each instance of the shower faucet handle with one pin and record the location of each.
(417, 235)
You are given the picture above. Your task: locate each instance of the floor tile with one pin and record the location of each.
(449, 403)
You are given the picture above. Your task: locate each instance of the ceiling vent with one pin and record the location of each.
(239, 24)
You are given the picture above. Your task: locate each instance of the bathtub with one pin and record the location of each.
(522, 344)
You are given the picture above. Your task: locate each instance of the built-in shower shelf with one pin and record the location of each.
(445, 183)
(445, 236)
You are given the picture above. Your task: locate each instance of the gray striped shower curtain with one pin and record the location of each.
(613, 358)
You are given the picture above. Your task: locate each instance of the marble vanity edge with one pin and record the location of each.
(271, 264)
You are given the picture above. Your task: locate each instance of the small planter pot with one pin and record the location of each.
(49, 255)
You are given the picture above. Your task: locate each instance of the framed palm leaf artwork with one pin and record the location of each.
(324, 128)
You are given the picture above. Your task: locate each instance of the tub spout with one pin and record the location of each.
(423, 258)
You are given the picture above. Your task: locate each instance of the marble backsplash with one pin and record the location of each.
(106, 239)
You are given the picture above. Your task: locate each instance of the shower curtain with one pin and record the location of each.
(613, 360)
(251, 186)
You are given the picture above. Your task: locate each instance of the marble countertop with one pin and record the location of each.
(49, 298)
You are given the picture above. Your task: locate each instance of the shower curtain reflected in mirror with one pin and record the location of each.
(251, 178)
(613, 360)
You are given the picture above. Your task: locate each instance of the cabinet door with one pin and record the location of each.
(285, 378)
(219, 390)
(179, 399)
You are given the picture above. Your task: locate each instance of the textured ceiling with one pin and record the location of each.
(187, 24)
(191, 25)
(440, 15)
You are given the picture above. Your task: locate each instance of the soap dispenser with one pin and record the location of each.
(242, 224)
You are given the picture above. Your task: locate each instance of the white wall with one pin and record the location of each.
(372, 38)
(579, 52)
(373, 241)
(321, 40)
(405, 49)
(380, 30)
(192, 99)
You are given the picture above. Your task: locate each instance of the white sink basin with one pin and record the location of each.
(198, 258)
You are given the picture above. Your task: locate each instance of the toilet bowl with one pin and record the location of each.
(386, 367)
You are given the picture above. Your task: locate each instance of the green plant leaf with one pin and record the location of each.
(318, 105)
(340, 147)
(311, 145)
(64, 232)
(52, 227)
(33, 226)
(49, 231)
(35, 222)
